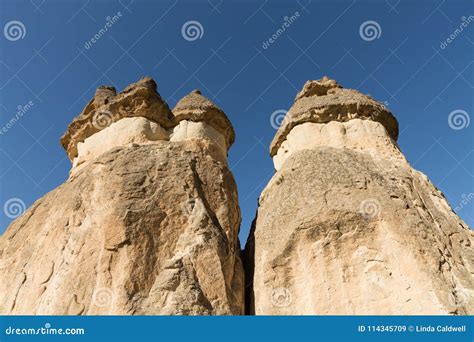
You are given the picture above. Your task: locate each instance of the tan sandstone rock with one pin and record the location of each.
(347, 226)
(138, 99)
(147, 223)
(325, 100)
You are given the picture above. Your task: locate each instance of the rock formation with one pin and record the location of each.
(346, 225)
(147, 222)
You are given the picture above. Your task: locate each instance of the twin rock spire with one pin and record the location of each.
(141, 100)
(148, 221)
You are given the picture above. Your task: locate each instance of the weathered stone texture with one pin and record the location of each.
(347, 226)
(147, 223)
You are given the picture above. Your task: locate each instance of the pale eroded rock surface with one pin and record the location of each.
(347, 226)
(147, 223)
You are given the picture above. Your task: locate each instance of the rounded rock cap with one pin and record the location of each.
(106, 89)
(103, 94)
(146, 82)
(195, 107)
(324, 100)
(138, 99)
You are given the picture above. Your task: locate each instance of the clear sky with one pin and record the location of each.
(401, 58)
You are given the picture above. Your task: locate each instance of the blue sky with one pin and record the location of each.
(407, 64)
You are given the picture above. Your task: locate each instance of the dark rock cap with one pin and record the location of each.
(195, 107)
(142, 99)
(138, 99)
(325, 100)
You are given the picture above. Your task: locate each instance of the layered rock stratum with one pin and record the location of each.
(147, 222)
(346, 225)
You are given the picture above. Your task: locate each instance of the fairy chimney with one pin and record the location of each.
(147, 222)
(346, 225)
